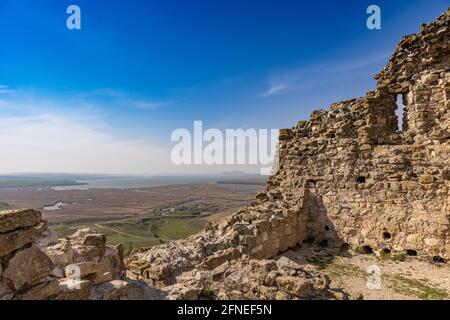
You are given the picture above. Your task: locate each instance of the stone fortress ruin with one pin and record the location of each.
(349, 176)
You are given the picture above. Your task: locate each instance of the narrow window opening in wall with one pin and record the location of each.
(311, 183)
(386, 235)
(400, 112)
(366, 250)
(327, 228)
(361, 179)
(438, 259)
(411, 253)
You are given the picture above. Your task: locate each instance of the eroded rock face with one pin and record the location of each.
(349, 175)
(27, 267)
(85, 254)
(18, 219)
(252, 279)
(81, 266)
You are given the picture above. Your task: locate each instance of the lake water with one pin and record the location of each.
(56, 206)
(131, 182)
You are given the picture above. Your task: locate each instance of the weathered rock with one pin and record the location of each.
(70, 289)
(28, 267)
(42, 291)
(70, 268)
(112, 290)
(17, 239)
(6, 292)
(82, 269)
(94, 240)
(252, 279)
(11, 220)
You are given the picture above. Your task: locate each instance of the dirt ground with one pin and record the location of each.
(350, 273)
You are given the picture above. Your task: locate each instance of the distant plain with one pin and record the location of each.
(133, 217)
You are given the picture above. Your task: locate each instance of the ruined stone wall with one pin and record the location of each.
(418, 69)
(374, 187)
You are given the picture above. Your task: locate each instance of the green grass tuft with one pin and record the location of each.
(418, 288)
(206, 294)
(398, 257)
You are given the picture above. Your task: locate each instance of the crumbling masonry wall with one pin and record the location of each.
(373, 186)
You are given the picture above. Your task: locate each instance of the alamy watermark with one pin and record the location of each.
(374, 20)
(73, 274)
(73, 21)
(374, 277)
(229, 147)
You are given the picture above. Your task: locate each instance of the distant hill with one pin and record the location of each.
(4, 206)
(233, 173)
(248, 179)
(23, 182)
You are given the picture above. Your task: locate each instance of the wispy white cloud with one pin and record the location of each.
(55, 143)
(301, 78)
(121, 99)
(149, 105)
(356, 64)
(40, 134)
(5, 89)
(274, 90)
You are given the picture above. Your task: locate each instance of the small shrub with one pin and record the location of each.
(399, 257)
(385, 254)
(206, 294)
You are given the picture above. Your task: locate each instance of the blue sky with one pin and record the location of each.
(137, 70)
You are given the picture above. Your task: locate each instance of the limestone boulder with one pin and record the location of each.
(17, 239)
(11, 220)
(28, 267)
